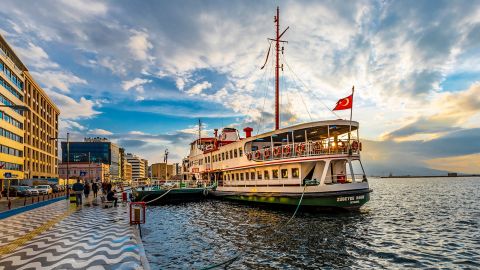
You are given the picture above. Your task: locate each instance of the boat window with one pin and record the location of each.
(247, 176)
(231, 154)
(226, 155)
(228, 176)
(235, 153)
(252, 175)
(206, 160)
(284, 173)
(237, 177)
(267, 175)
(223, 156)
(240, 152)
(275, 174)
(259, 175)
(295, 173)
(254, 148)
(241, 176)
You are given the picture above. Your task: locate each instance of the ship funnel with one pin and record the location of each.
(248, 132)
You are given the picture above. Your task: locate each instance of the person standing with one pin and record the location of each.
(95, 189)
(78, 189)
(86, 190)
(109, 187)
(111, 197)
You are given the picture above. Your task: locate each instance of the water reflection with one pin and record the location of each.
(407, 223)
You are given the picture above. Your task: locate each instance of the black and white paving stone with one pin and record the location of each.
(88, 238)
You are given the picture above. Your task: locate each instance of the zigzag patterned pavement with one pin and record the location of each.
(89, 238)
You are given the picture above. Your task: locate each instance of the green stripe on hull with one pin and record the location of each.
(340, 201)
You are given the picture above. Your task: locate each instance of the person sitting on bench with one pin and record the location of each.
(111, 197)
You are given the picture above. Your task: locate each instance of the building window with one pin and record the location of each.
(295, 173)
(275, 174)
(284, 173)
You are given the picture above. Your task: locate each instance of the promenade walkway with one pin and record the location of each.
(62, 236)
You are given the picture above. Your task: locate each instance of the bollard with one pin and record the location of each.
(32, 200)
(9, 204)
(38, 198)
(25, 201)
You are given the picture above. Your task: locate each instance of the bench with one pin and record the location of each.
(105, 203)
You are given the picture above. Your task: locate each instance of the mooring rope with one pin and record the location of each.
(238, 255)
(157, 197)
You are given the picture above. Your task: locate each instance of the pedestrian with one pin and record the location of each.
(86, 190)
(111, 197)
(95, 189)
(109, 187)
(78, 189)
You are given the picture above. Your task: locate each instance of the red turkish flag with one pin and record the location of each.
(344, 103)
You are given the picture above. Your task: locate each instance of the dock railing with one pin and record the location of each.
(306, 149)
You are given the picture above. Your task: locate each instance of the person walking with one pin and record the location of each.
(95, 189)
(109, 187)
(86, 190)
(78, 189)
(111, 197)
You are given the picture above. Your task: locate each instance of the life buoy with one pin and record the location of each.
(249, 155)
(355, 146)
(287, 150)
(317, 146)
(258, 154)
(277, 151)
(300, 148)
(266, 153)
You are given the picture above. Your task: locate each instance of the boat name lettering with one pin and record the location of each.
(350, 198)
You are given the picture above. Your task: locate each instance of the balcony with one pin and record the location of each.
(305, 149)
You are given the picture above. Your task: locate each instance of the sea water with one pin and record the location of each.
(408, 222)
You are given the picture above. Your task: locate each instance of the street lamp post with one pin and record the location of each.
(68, 157)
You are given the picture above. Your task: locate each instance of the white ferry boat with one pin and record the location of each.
(317, 162)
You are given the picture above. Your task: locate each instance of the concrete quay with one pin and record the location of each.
(63, 236)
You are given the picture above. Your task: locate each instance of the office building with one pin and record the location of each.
(121, 152)
(128, 172)
(145, 166)
(93, 172)
(138, 166)
(94, 150)
(163, 171)
(40, 124)
(11, 119)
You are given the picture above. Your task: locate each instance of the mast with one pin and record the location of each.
(199, 133)
(277, 66)
(278, 35)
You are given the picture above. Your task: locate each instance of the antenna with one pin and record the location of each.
(199, 133)
(278, 49)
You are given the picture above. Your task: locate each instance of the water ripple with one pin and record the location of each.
(421, 223)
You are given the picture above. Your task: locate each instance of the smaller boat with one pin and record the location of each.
(163, 192)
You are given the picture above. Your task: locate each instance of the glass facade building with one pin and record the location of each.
(97, 152)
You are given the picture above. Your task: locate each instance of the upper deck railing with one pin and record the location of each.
(305, 149)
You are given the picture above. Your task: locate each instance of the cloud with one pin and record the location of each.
(139, 45)
(72, 109)
(453, 110)
(60, 80)
(99, 131)
(198, 88)
(136, 83)
(36, 56)
(463, 164)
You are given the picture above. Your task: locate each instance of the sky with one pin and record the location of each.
(142, 73)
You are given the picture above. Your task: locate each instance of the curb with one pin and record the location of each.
(22, 209)
(141, 249)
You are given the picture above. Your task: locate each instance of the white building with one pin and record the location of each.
(138, 166)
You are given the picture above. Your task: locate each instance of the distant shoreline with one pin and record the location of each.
(428, 176)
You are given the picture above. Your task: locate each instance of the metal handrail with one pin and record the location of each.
(303, 149)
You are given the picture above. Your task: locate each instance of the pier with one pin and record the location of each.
(62, 236)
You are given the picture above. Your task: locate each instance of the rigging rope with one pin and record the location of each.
(305, 86)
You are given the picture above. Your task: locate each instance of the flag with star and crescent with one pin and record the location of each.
(344, 103)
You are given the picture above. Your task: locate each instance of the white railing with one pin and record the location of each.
(305, 149)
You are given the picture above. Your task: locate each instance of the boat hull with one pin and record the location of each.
(174, 196)
(351, 199)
